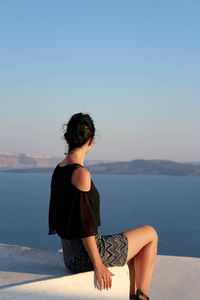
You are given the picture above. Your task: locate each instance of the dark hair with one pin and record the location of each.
(80, 129)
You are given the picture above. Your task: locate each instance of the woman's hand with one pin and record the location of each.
(104, 276)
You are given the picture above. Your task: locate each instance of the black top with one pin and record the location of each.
(73, 213)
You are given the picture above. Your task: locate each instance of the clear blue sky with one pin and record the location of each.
(133, 65)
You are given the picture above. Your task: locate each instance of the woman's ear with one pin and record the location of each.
(91, 141)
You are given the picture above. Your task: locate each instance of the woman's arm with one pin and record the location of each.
(82, 180)
(101, 271)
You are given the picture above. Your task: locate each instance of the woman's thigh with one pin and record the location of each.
(113, 249)
(138, 238)
(75, 256)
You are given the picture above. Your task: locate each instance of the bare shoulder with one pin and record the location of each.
(81, 179)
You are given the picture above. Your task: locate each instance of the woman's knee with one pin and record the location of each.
(140, 237)
(152, 232)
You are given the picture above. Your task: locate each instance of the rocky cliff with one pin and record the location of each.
(22, 160)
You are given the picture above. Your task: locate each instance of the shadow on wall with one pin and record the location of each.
(44, 296)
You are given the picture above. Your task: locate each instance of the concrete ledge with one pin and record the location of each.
(34, 274)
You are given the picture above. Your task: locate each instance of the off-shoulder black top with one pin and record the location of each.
(73, 213)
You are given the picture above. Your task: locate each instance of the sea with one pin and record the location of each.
(171, 204)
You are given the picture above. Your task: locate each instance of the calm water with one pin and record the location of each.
(170, 204)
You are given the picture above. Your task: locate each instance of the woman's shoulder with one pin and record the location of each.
(81, 179)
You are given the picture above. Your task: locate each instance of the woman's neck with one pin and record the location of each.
(75, 156)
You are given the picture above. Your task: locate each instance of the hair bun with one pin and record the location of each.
(80, 129)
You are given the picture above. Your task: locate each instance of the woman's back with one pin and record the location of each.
(73, 213)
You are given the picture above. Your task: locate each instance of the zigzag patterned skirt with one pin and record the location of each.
(113, 250)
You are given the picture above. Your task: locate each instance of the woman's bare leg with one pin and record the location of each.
(142, 253)
(133, 286)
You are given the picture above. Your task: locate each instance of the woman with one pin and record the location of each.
(74, 216)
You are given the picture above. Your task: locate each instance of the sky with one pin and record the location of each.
(133, 65)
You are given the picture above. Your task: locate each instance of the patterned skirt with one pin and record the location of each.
(113, 250)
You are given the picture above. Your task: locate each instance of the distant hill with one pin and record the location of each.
(23, 160)
(148, 167)
(137, 167)
(197, 163)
